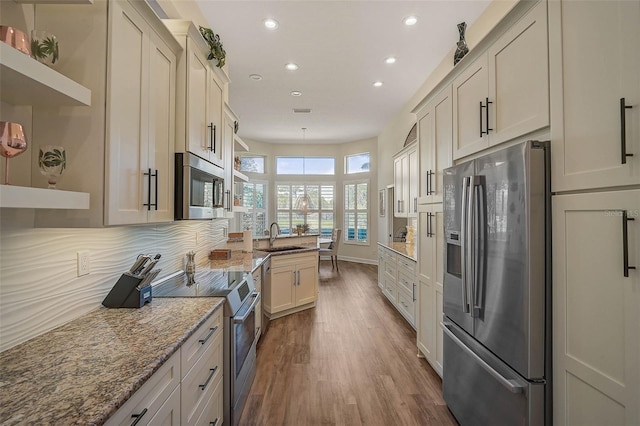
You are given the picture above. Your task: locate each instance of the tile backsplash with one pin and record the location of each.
(39, 287)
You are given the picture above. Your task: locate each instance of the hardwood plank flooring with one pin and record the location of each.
(351, 360)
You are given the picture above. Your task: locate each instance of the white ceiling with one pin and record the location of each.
(340, 47)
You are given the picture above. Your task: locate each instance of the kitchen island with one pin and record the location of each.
(83, 371)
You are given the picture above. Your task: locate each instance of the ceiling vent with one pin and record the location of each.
(302, 110)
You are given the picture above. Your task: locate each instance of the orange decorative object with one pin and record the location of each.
(16, 39)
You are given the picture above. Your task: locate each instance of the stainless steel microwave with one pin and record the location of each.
(199, 188)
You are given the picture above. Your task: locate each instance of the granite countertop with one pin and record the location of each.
(249, 262)
(406, 250)
(83, 371)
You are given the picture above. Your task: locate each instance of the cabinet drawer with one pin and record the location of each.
(151, 396)
(407, 306)
(200, 381)
(201, 341)
(169, 413)
(293, 259)
(390, 289)
(213, 408)
(390, 270)
(408, 265)
(406, 281)
(389, 256)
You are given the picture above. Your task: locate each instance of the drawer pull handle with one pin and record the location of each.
(215, 422)
(625, 243)
(623, 130)
(211, 333)
(213, 373)
(138, 417)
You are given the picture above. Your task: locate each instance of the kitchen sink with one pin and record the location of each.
(279, 249)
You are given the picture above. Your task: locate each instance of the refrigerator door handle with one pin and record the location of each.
(479, 238)
(463, 242)
(511, 385)
(471, 241)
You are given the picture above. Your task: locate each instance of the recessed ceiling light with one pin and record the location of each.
(296, 93)
(410, 20)
(377, 83)
(271, 24)
(256, 77)
(390, 60)
(291, 66)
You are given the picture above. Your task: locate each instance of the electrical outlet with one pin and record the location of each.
(84, 263)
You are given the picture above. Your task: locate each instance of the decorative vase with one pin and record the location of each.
(52, 161)
(190, 268)
(44, 47)
(462, 48)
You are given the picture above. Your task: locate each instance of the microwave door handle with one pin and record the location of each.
(471, 242)
(463, 242)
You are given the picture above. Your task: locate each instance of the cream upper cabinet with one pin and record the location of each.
(435, 122)
(596, 308)
(590, 75)
(470, 95)
(405, 191)
(505, 92)
(430, 279)
(200, 91)
(140, 142)
(121, 149)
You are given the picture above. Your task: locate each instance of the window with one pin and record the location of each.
(254, 197)
(319, 215)
(252, 164)
(305, 165)
(357, 163)
(356, 215)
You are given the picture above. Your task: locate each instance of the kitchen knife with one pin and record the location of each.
(137, 263)
(148, 279)
(150, 266)
(144, 259)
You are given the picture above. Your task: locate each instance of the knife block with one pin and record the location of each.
(125, 293)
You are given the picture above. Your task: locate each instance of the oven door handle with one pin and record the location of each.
(239, 320)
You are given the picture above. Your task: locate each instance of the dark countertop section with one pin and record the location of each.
(83, 371)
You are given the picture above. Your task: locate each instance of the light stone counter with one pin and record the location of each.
(406, 250)
(83, 371)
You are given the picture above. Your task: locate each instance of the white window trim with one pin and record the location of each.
(265, 201)
(275, 165)
(345, 232)
(346, 156)
(305, 183)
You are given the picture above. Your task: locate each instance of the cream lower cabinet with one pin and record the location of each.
(397, 281)
(294, 284)
(596, 308)
(589, 78)
(430, 284)
(505, 92)
(186, 389)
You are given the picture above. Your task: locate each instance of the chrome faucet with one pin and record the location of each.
(272, 235)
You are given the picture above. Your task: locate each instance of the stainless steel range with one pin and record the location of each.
(239, 327)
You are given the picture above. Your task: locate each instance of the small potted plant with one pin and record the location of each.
(216, 51)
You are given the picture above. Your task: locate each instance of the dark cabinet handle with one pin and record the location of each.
(481, 132)
(228, 194)
(214, 423)
(213, 373)
(212, 135)
(623, 132)
(211, 333)
(148, 204)
(415, 204)
(215, 142)
(399, 206)
(487, 115)
(138, 417)
(429, 225)
(625, 243)
(430, 189)
(413, 292)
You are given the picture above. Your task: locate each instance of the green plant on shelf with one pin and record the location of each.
(216, 51)
(53, 158)
(45, 47)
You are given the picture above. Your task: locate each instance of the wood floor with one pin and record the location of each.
(349, 361)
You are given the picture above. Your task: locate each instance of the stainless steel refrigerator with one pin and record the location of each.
(497, 288)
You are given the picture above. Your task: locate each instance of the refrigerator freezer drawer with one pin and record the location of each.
(481, 390)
